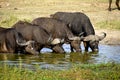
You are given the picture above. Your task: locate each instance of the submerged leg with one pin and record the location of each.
(86, 45)
(58, 49)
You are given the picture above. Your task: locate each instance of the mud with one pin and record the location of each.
(112, 38)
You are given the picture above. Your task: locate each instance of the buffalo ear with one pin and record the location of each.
(24, 43)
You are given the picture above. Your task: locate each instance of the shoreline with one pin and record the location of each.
(112, 38)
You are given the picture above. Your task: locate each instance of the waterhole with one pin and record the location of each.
(57, 61)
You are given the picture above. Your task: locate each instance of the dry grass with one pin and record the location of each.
(29, 9)
(14, 10)
(112, 37)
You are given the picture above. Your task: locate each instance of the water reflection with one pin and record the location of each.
(46, 60)
(62, 61)
(108, 53)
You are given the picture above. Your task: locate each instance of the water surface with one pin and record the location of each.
(48, 60)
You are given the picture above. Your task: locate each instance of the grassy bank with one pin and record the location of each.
(77, 72)
(14, 10)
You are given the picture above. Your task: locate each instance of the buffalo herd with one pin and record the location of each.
(50, 32)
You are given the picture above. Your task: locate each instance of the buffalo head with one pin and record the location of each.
(93, 40)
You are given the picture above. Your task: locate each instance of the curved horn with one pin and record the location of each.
(101, 37)
(94, 37)
(89, 38)
(24, 43)
(55, 41)
(74, 38)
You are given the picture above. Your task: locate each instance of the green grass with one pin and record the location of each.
(113, 24)
(8, 21)
(109, 71)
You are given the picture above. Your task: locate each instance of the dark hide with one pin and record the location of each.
(1, 28)
(117, 4)
(78, 23)
(57, 29)
(35, 33)
(8, 39)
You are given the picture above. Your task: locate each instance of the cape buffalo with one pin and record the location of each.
(10, 41)
(58, 30)
(117, 3)
(80, 23)
(41, 37)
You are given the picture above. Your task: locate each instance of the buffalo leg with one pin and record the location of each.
(86, 45)
(110, 2)
(117, 3)
(76, 45)
(71, 48)
(58, 49)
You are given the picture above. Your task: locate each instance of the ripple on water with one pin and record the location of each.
(107, 53)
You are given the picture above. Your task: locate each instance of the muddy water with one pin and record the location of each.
(47, 60)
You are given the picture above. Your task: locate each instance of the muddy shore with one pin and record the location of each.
(112, 38)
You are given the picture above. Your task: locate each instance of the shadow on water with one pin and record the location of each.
(47, 60)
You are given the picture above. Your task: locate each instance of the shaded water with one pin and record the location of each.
(47, 60)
